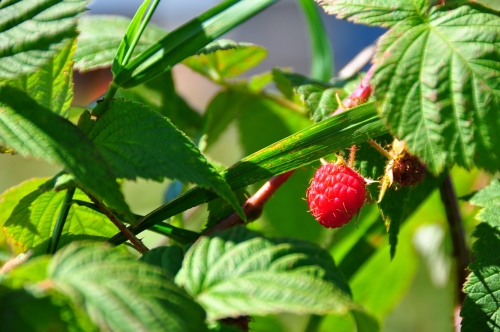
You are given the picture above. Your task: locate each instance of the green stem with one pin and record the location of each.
(321, 49)
(138, 35)
(61, 220)
(313, 324)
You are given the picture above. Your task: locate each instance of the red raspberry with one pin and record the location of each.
(336, 194)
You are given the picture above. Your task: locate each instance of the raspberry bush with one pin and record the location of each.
(235, 247)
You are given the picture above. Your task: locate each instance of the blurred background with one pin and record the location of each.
(420, 272)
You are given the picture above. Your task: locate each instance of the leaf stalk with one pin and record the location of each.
(61, 220)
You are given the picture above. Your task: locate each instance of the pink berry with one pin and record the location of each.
(336, 194)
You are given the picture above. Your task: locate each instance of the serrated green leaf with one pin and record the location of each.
(33, 130)
(317, 96)
(122, 294)
(100, 36)
(33, 31)
(392, 208)
(160, 94)
(238, 272)
(168, 258)
(375, 12)
(52, 84)
(223, 59)
(139, 142)
(446, 107)
(33, 217)
(188, 39)
(481, 308)
(304, 147)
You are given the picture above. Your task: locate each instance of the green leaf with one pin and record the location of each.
(160, 94)
(481, 306)
(33, 31)
(122, 294)
(52, 84)
(445, 108)
(188, 39)
(365, 322)
(33, 216)
(317, 96)
(22, 311)
(321, 49)
(392, 208)
(33, 130)
(219, 209)
(375, 12)
(168, 258)
(297, 150)
(100, 36)
(238, 272)
(223, 59)
(139, 142)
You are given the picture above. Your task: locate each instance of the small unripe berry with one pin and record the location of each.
(336, 194)
(408, 170)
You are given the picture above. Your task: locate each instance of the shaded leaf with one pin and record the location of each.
(446, 107)
(223, 59)
(100, 36)
(219, 209)
(139, 142)
(52, 84)
(33, 217)
(238, 272)
(33, 130)
(168, 258)
(122, 294)
(33, 31)
(375, 12)
(481, 307)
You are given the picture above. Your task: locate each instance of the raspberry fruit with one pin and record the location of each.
(336, 194)
(408, 170)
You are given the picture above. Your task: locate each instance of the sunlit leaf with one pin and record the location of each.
(238, 272)
(33, 31)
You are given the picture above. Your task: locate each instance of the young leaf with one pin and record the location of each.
(33, 31)
(335, 133)
(133, 34)
(168, 258)
(238, 272)
(33, 130)
(223, 59)
(446, 108)
(52, 84)
(33, 215)
(375, 12)
(100, 36)
(122, 294)
(481, 306)
(139, 142)
(188, 39)
(319, 97)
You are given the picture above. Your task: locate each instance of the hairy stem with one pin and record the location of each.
(123, 229)
(61, 220)
(360, 94)
(379, 149)
(254, 205)
(460, 249)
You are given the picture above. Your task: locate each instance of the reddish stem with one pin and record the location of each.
(360, 94)
(254, 205)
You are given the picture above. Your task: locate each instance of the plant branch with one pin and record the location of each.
(254, 205)
(358, 62)
(360, 94)
(123, 229)
(61, 220)
(457, 232)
